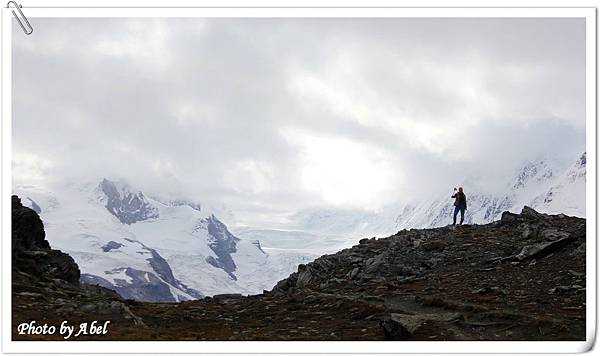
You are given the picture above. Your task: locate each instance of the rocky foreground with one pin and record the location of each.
(520, 278)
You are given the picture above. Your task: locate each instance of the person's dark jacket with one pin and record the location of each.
(461, 200)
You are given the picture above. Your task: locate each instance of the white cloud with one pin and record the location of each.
(269, 116)
(343, 172)
(30, 168)
(250, 176)
(142, 43)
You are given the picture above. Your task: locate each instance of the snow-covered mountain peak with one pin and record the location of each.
(153, 250)
(126, 204)
(542, 183)
(533, 172)
(567, 193)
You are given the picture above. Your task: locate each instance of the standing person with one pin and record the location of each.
(460, 204)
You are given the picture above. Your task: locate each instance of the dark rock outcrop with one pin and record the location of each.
(143, 286)
(46, 283)
(129, 207)
(32, 253)
(582, 160)
(111, 245)
(223, 244)
(28, 229)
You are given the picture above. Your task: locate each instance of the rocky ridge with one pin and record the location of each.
(45, 282)
(519, 278)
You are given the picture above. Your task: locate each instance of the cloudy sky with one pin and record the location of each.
(270, 116)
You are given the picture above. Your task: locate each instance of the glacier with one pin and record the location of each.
(153, 250)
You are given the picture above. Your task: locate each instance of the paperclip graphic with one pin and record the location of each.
(29, 29)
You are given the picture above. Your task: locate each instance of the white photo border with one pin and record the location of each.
(10, 346)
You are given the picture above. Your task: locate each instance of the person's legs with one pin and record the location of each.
(455, 213)
(462, 215)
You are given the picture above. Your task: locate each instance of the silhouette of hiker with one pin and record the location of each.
(460, 204)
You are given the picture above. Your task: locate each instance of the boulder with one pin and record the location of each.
(434, 246)
(530, 213)
(226, 297)
(508, 217)
(401, 326)
(553, 234)
(541, 249)
(304, 276)
(354, 273)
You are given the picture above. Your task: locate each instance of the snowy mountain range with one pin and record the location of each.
(539, 184)
(156, 249)
(152, 250)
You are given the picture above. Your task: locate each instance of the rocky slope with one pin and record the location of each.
(45, 282)
(520, 278)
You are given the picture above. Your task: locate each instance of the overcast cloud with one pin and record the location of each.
(270, 116)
